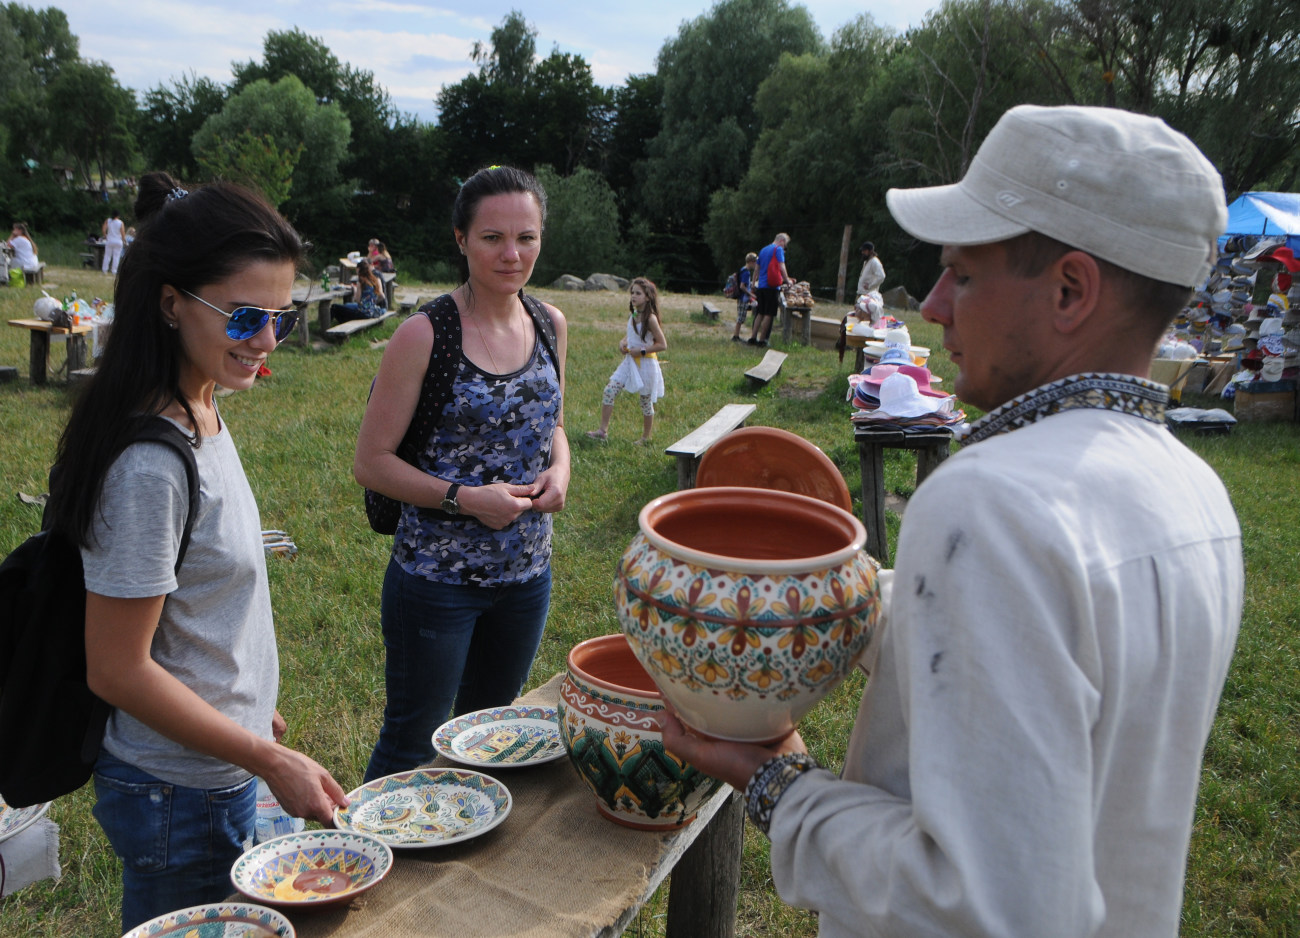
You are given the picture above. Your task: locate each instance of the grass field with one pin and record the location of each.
(296, 431)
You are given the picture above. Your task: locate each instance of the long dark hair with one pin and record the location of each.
(651, 307)
(187, 240)
(494, 180)
(367, 276)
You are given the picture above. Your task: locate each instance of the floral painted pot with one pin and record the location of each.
(747, 606)
(609, 722)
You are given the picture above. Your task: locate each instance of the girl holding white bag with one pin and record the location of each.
(639, 371)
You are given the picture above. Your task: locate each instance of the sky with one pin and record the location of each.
(413, 47)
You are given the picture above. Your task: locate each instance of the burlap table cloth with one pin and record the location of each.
(554, 868)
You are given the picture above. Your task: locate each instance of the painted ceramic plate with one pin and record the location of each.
(426, 807)
(222, 920)
(16, 820)
(501, 736)
(311, 868)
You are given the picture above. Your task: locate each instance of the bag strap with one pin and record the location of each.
(439, 376)
(158, 430)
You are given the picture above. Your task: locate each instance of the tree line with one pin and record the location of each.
(751, 123)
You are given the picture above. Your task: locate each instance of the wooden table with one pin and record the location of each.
(554, 868)
(40, 349)
(788, 313)
(324, 299)
(931, 446)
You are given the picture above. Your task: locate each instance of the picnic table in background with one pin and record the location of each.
(41, 331)
(324, 299)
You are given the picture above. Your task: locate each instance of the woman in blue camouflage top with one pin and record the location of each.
(467, 589)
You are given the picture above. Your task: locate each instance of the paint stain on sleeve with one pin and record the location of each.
(955, 541)
(934, 662)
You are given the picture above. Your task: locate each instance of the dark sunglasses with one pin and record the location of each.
(247, 321)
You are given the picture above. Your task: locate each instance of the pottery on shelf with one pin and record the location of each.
(747, 606)
(609, 722)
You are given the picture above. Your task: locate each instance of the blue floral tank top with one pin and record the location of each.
(496, 428)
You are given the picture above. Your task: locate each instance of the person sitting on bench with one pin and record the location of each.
(367, 297)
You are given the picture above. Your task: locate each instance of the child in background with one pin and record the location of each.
(638, 372)
(746, 299)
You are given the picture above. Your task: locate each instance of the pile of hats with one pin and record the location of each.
(903, 397)
(900, 394)
(798, 294)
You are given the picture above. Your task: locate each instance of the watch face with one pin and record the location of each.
(450, 506)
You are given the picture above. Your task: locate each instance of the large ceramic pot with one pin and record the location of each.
(609, 723)
(747, 606)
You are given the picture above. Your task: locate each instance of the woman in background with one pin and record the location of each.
(382, 261)
(367, 297)
(24, 247)
(468, 586)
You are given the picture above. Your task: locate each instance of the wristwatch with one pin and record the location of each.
(449, 503)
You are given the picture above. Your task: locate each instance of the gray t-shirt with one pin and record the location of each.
(216, 633)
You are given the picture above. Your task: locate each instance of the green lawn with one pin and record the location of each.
(296, 431)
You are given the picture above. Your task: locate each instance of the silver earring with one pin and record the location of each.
(172, 325)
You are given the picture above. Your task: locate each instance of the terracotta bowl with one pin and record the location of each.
(747, 606)
(609, 722)
(312, 869)
(772, 458)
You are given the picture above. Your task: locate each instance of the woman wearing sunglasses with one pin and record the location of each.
(188, 659)
(468, 585)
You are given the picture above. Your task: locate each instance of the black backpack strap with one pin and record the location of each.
(545, 325)
(435, 392)
(160, 430)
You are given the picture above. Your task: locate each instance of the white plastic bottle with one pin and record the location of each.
(271, 818)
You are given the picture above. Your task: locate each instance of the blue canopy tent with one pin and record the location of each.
(1275, 214)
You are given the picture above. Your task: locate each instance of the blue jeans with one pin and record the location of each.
(176, 844)
(448, 643)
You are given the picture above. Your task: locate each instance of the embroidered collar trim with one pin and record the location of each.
(1123, 394)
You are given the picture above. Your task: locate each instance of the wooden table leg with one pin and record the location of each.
(871, 462)
(785, 323)
(686, 466)
(807, 326)
(323, 314)
(76, 354)
(928, 459)
(706, 882)
(39, 357)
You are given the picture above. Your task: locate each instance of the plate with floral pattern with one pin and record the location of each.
(16, 820)
(221, 920)
(502, 736)
(426, 807)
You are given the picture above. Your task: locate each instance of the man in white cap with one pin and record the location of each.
(1068, 586)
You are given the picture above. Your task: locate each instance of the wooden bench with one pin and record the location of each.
(352, 326)
(711, 311)
(408, 304)
(691, 447)
(87, 260)
(35, 276)
(767, 369)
